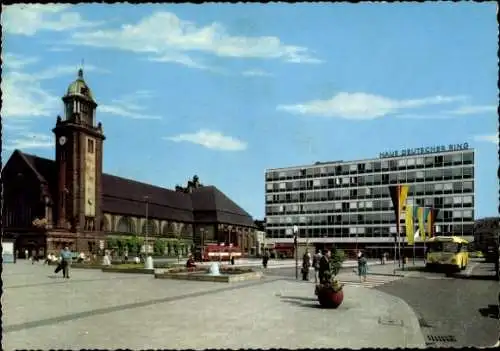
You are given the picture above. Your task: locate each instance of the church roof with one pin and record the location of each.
(80, 88)
(127, 197)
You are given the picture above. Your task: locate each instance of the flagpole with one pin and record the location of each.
(425, 236)
(414, 238)
(399, 243)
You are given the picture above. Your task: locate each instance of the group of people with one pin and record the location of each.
(322, 266)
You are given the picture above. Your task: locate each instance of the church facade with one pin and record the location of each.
(69, 201)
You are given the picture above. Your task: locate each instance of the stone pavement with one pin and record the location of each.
(111, 310)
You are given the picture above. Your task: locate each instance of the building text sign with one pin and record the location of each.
(424, 150)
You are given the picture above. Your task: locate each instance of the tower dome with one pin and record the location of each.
(80, 88)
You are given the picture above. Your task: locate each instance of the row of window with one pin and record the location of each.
(387, 217)
(371, 193)
(361, 232)
(466, 158)
(370, 205)
(457, 173)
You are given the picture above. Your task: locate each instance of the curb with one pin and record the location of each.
(417, 338)
(386, 274)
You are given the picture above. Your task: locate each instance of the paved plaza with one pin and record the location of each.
(112, 310)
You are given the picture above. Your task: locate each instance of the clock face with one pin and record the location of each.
(62, 140)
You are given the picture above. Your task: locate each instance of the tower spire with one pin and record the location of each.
(80, 71)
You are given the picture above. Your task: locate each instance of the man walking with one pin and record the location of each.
(66, 256)
(306, 264)
(316, 259)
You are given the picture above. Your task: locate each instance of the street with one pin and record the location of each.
(452, 311)
(455, 312)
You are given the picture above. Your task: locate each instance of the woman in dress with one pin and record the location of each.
(362, 267)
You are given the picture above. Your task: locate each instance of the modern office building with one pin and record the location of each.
(347, 203)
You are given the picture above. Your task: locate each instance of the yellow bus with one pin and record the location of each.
(447, 251)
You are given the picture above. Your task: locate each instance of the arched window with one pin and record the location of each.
(150, 225)
(125, 225)
(169, 230)
(105, 225)
(187, 231)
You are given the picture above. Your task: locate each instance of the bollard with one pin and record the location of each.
(149, 263)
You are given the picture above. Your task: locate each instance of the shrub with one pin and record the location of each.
(337, 258)
(159, 247)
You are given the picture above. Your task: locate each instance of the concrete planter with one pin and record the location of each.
(210, 278)
(128, 270)
(201, 275)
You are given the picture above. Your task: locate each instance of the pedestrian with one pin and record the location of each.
(265, 259)
(231, 259)
(315, 264)
(66, 256)
(324, 274)
(190, 263)
(306, 265)
(362, 267)
(26, 254)
(49, 259)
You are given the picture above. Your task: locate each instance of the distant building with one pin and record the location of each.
(69, 201)
(347, 203)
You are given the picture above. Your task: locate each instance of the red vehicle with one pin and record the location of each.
(284, 250)
(217, 252)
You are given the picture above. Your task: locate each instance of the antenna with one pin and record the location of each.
(83, 63)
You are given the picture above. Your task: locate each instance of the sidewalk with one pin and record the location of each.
(139, 312)
(287, 263)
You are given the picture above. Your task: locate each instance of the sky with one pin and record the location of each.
(227, 91)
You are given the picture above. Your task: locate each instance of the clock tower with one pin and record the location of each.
(79, 147)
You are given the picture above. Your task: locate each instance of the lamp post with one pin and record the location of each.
(149, 259)
(295, 245)
(202, 232)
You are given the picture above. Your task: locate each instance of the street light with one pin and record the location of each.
(295, 245)
(149, 259)
(202, 232)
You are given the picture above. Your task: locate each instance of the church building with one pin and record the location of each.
(69, 201)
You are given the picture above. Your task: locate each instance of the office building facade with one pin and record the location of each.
(348, 202)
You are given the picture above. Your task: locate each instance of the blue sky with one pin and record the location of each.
(227, 91)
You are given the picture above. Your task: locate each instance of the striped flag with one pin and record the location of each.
(410, 235)
(431, 219)
(399, 193)
(422, 215)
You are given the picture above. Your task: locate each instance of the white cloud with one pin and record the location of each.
(473, 109)
(24, 100)
(14, 61)
(23, 95)
(211, 140)
(180, 59)
(27, 20)
(165, 35)
(30, 141)
(362, 106)
(256, 73)
(129, 106)
(59, 49)
(491, 138)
